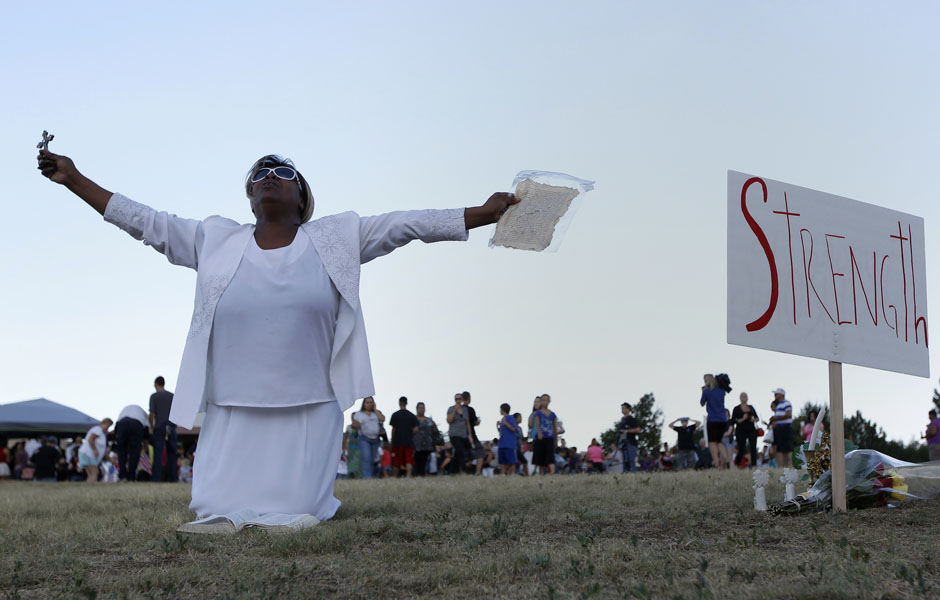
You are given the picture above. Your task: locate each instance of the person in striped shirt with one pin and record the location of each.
(782, 422)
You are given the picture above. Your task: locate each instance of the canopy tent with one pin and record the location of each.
(42, 416)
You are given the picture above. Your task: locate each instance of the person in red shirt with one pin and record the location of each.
(386, 461)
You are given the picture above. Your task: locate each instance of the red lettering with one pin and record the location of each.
(901, 239)
(917, 320)
(835, 290)
(808, 274)
(786, 211)
(874, 282)
(761, 321)
(883, 313)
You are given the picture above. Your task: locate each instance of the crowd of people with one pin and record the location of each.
(418, 446)
(145, 446)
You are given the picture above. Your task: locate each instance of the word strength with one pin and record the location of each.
(820, 275)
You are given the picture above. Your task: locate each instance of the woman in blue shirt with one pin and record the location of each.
(713, 399)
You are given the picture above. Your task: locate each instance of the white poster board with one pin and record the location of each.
(820, 275)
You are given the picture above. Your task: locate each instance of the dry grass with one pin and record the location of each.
(671, 535)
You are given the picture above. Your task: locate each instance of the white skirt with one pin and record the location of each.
(280, 460)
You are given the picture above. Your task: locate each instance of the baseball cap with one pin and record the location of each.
(52, 439)
(780, 391)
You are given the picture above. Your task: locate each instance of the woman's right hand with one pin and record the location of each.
(56, 167)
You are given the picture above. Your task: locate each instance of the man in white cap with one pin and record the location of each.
(782, 422)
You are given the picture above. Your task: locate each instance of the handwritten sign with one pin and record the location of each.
(820, 275)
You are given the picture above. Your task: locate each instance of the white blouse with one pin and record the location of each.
(369, 422)
(100, 443)
(272, 335)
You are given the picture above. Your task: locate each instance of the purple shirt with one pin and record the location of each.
(936, 438)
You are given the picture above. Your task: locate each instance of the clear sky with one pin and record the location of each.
(401, 105)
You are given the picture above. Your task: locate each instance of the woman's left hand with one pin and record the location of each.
(491, 211)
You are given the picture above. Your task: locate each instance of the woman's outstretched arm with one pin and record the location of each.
(61, 170)
(177, 238)
(381, 234)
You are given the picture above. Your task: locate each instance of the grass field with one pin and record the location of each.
(668, 535)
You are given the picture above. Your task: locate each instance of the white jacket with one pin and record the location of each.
(214, 247)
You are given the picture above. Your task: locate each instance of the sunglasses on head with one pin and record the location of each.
(279, 172)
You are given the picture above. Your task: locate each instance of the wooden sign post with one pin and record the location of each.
(837, 436)
(820, 275)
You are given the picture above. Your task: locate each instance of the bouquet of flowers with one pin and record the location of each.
(871, 479)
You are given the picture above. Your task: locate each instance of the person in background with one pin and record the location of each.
(508, 447)
(46, 460)
(809, 424)
(109, 468)
(782, 422)
(71, 451)
(459, 432)
(613, 459)
(445, 456)
(487, 460)
(627, 430)
(164, 432)
(575, 463)
(367, 423)
(431, 468)
(186, 471)
(476, 448)
(745, 419)
(769, 451)
(686, 457)
(144, 467)
(5, 470)
(33, 444)
(704, 455)
(727, 442)
(932, 435)
(129, 431)
(92, 451)
(385, 460)
(20, 459)
(342, 469)
(522, 466)
(536, 406)
(404, 426)
(424, 440)
(644, 461)
(595, 457)
(713, 399)
(666, 459)
(546, 423)
(353, 455)
(72, 472)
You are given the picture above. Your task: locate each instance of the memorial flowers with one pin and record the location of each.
(872, 479)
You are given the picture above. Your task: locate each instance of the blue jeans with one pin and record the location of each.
(164, 433)
(368, 452)
(629, 458)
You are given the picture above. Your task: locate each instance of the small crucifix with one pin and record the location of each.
(46, 138)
